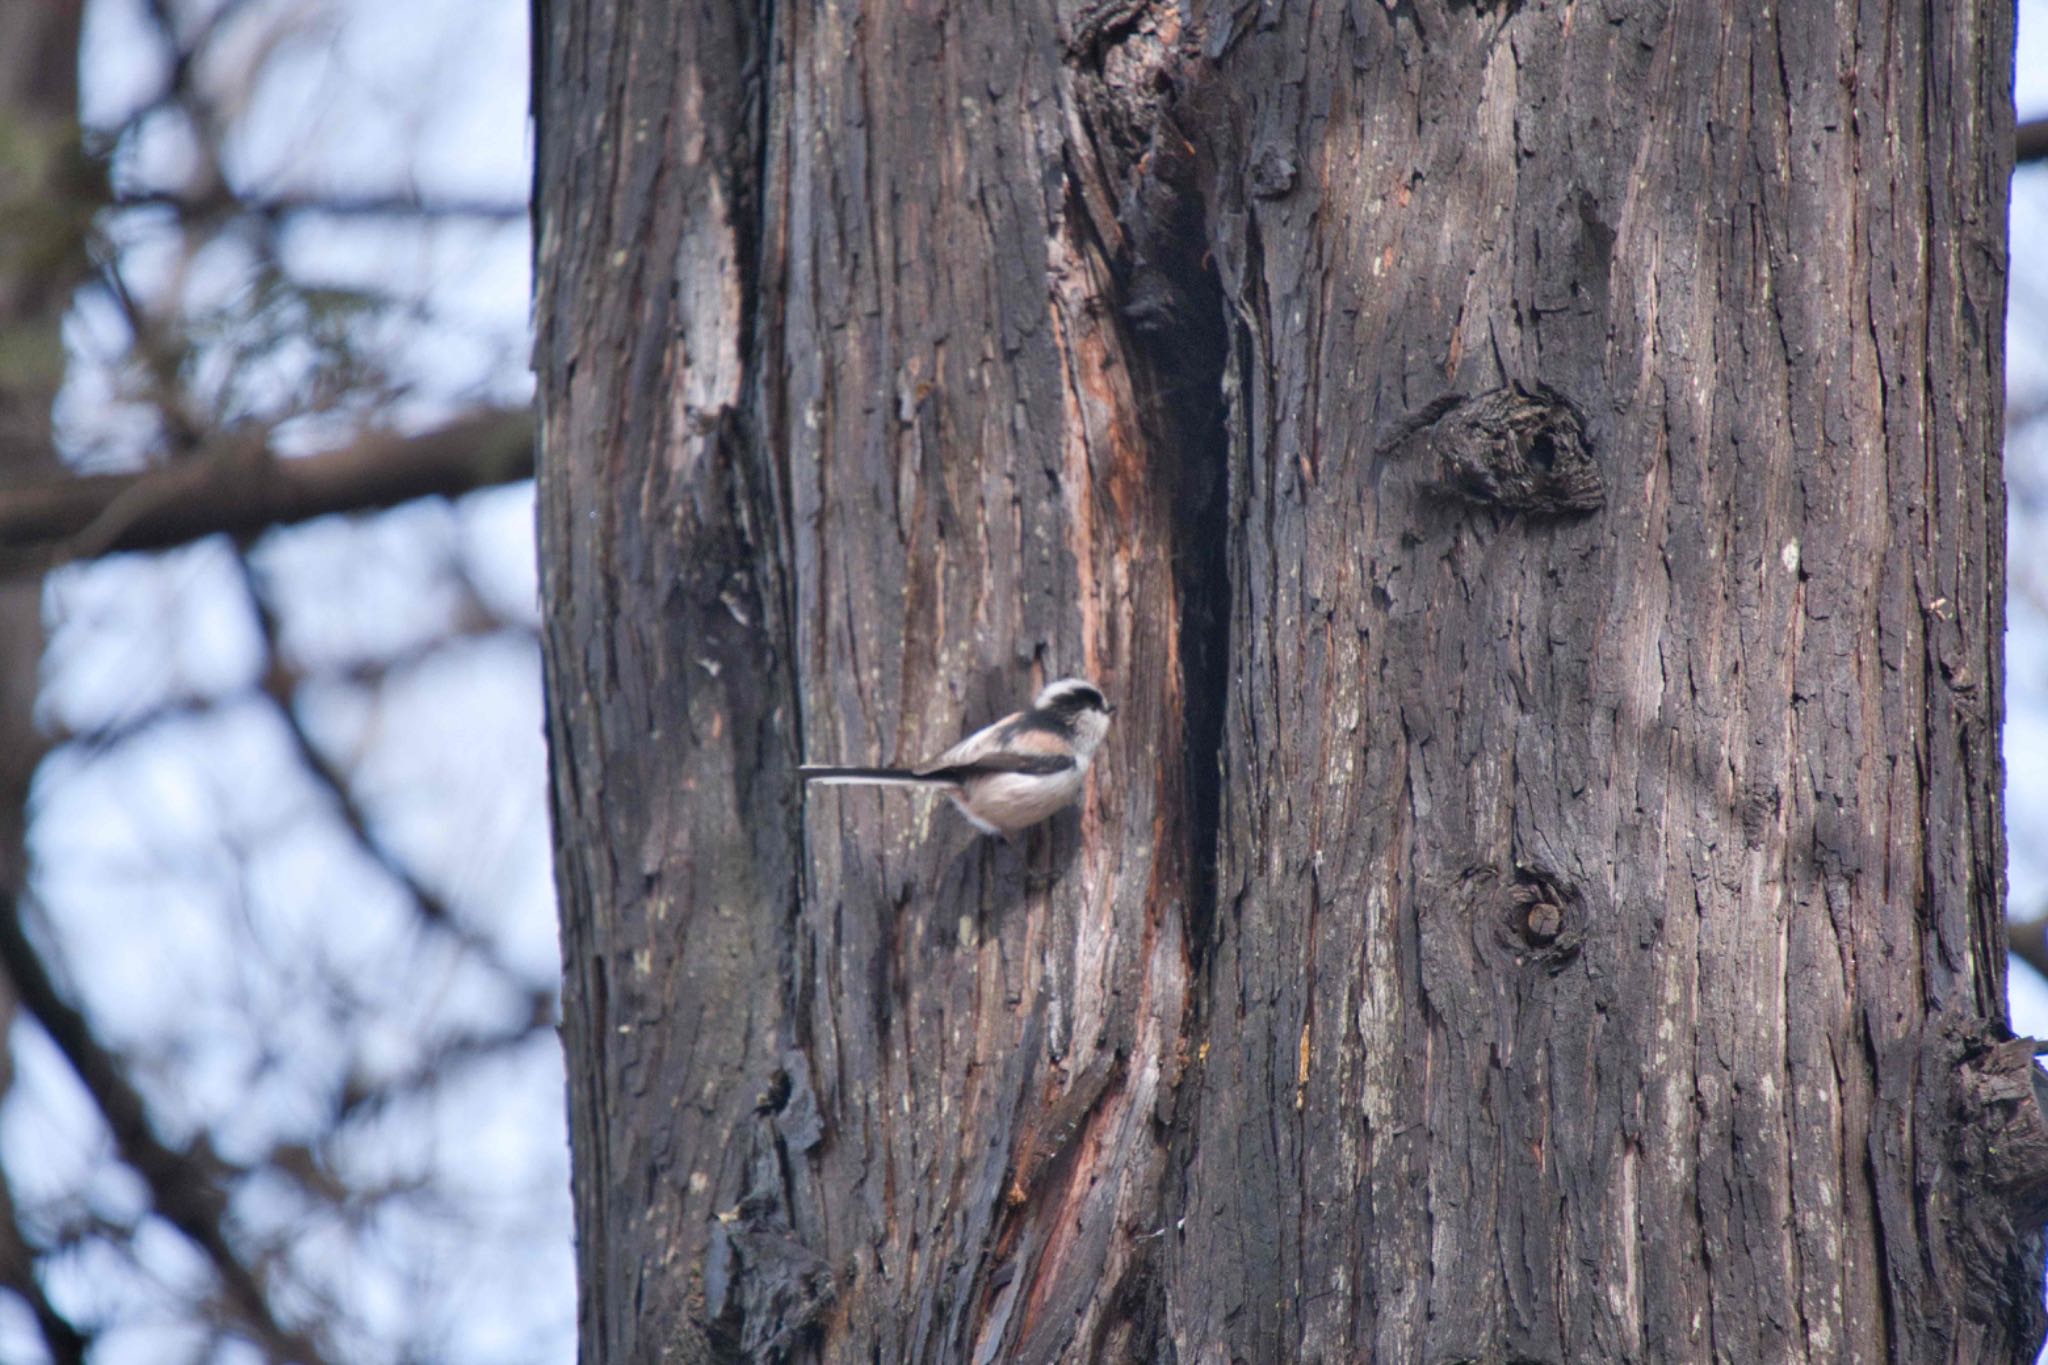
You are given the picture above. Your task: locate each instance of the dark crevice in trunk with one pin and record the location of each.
(1187, 358)
(762, 323)
(1199, 447)
(1173, 302)
(1169, 303)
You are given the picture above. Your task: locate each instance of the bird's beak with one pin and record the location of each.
(1108, 709)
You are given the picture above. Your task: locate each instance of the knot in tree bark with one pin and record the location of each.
(1517, 449)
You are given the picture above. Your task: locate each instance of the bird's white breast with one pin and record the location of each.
(1011, 801)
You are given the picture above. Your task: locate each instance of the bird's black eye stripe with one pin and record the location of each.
(1049, 722)
(1081, 699)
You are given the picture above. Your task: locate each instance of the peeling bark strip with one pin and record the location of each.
(1588, 945)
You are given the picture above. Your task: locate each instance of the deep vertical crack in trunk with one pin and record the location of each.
(1134, 205)
(1187, 363)
(1137, 158)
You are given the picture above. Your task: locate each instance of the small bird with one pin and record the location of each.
(1012, 774)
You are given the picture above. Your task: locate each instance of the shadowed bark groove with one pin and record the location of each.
(1539, 899)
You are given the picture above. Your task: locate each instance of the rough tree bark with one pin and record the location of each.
(1528, 473)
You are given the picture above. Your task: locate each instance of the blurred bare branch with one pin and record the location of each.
(62, 1338)
(434, 908)
(363, 1095)
(2027, 940)
(240, 491)
(226, 203)
(365, 673)
(184, 1187)
(2030, 141)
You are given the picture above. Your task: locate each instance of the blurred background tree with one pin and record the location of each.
(280, 1078)
(2026, 453)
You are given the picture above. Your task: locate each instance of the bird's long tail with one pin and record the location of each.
(876, 777)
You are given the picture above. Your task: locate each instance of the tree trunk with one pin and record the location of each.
(45, 196)
(1529, 479)
(44, 200)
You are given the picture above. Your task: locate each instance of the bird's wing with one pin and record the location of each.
(981, 743)
(1004, 747)
(1039, 765)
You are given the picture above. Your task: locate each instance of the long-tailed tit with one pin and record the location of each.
(1015, 772)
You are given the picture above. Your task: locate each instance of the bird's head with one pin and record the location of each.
(1082, 706)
